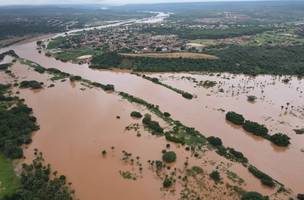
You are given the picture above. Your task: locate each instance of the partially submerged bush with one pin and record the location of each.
(253, 196)
(167, 183)
(255, 128)
(264, 178)
(187, 95)
(235, 118)
(136, 114)
(75, 78)
(251, 98)
(31, 84)
(215, 175)
(300, 196)
(280, 139)
(153, 125)
(215, 141)
(169, 157)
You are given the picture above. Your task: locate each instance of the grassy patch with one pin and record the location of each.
(9, 182)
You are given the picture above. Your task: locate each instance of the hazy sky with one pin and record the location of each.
(39, 2)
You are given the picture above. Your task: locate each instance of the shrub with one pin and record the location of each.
(252, 196)
(30, 84)
(166, 114)
(75, 78)
(215, 141)
(174, 139)
(300, 196)
(187, 95)
(251, 98)
(215, 175)
(238, 155)
(153, 125)
(255, 128)
(136, 114)
(264, 178)
(169, 157)
(235, 118)
(280, 139)
(167, 183)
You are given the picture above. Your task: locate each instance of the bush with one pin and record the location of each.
(167, 183)
(252, 196)
(153, 125)
(255, 128)
(235, 118)
(264, 178)
(169, 157)
(215, 175)
(187, 95)
(30, 84)
(300, 196)
(280, 139)
(136, 114)
(238, 155)
(166, 114)
(215, 141)
(75, 78)
(251, 98)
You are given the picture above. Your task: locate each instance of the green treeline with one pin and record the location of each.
(257, 129)
(235, 59)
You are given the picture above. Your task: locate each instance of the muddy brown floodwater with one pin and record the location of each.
(78, 122)
(284, 164)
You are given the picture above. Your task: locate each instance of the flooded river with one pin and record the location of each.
(205, 113)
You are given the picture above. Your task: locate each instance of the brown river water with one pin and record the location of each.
(69, 111)
(77, 123)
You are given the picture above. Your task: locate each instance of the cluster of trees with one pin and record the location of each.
(167, 183)
(264, 178)
(75, 78)
(169, 157)
(31, 84)
(38, 181)
(152, 125)
(16, 126)
(257, 129)
(235, 59)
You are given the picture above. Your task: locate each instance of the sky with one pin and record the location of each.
(44, 2)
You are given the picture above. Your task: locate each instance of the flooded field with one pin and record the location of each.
(78, 122)
(207, 112)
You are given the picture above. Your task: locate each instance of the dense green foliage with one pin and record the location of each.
(235, 118)
(167, 183)
(236, 59)
(215, 141)
(253, 196)
(169, 157)
(106, 60)
(136, 114)
(5, 66)
(152, 125)
(39, 182)
(16, 126)
(255, 128)
(75, 78)
(215, 175)
(280, 139)
(107, 87)
(31, 84)
(264, 178)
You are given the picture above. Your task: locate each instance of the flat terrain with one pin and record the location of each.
(173, 55)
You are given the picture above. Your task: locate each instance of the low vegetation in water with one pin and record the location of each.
(257, 129)
(136, 114)
(215, 175)
(253, 196)
(184, 94)
(235, 118)
(169, 157)
(264, 178)
(152, 125)
(4, 67)
(31, 84)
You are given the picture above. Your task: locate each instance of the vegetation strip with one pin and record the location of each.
(257, 129)
(186, 95)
